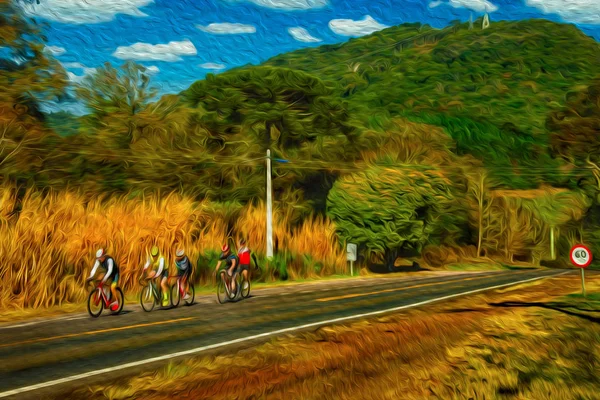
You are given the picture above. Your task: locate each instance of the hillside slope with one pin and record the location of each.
(512, 72)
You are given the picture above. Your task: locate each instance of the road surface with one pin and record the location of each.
(47, 358)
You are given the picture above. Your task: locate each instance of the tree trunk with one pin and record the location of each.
(552, 254)
(390, 259)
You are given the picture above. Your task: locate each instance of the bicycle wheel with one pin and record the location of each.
(245, 288)
(120, 300)
(147, 300)
(192, 292)
(238, 286)
(175, 294)
(222, 292)
(95, 303)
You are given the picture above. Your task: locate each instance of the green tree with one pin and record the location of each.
(28, 77)
(116, 97)
(390, 211)
(575, 135)
(295, 115)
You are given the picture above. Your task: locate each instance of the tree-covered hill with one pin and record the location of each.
(511, 72)
(490, 89)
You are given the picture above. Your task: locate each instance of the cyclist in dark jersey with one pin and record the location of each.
(230, 264)
(184, 269)
(108, 264)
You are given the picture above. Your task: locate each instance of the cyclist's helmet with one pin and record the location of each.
(154, 251)
(100, 253)
(224, 250)
(180, 253)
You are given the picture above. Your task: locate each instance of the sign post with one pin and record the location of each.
(351, 256)
(581, 257)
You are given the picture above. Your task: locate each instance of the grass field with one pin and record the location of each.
(538, 340)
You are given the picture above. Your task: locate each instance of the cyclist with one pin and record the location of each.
(244, 257)
(108, 264)
(184, 269)
(156, 260)
(230, 264)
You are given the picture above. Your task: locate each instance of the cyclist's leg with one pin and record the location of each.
(233, 276)
(165, 289)
(186, 282)
(99, 279)
(245, 274)
(113, 286)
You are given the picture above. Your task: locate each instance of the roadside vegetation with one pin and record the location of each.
(450, 146)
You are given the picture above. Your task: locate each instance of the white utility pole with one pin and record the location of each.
(269, 208)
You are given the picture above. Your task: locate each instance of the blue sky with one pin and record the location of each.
(182, 40)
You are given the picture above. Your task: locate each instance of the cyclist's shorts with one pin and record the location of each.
(115, 280)
(185, 273)
(244, 267)
(165, 273)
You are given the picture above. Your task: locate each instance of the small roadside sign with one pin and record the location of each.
(581, 257)
(351, 252)
(351, 256)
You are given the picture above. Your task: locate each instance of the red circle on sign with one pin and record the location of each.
(581, 247)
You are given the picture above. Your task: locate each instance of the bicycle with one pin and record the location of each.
(151, 294)
(224, 284)
(178, 292)
(97, 297)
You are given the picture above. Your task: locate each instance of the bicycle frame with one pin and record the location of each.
(155, 290)
(102, 296)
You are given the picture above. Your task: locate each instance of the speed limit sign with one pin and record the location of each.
(581, 256)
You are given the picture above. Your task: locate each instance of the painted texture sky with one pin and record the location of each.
(182, 40)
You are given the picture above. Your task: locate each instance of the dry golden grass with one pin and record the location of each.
(47, 251)
(450, 351)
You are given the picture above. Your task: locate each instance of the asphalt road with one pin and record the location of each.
(41, 351)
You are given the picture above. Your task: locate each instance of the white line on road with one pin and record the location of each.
(44, 321)
(268, 293)
(253, 337)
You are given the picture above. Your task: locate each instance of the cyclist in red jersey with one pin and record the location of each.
(244, 257)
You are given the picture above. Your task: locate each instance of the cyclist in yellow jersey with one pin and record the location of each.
(160, 269)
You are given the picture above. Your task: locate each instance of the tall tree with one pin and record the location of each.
(28, 77)
(116, 98)
(575, 135)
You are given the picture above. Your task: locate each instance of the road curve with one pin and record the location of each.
(45, 358)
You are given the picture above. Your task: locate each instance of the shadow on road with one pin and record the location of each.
(560, 307)
(385, 269)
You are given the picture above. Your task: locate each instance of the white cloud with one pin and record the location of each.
(212, 66)
(170, 52)
(77, 65)
(84, 11)
(152, 70)
(475, 5)
(226, 28)
(79, 78)
(349, 27)
(578, 11)
(291, 4)
(55, 50)
(302, 35)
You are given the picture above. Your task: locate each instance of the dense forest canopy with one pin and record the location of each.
(481, 129)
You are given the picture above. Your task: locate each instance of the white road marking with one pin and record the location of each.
(253, 337)
(44, 321)
(200, 299)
